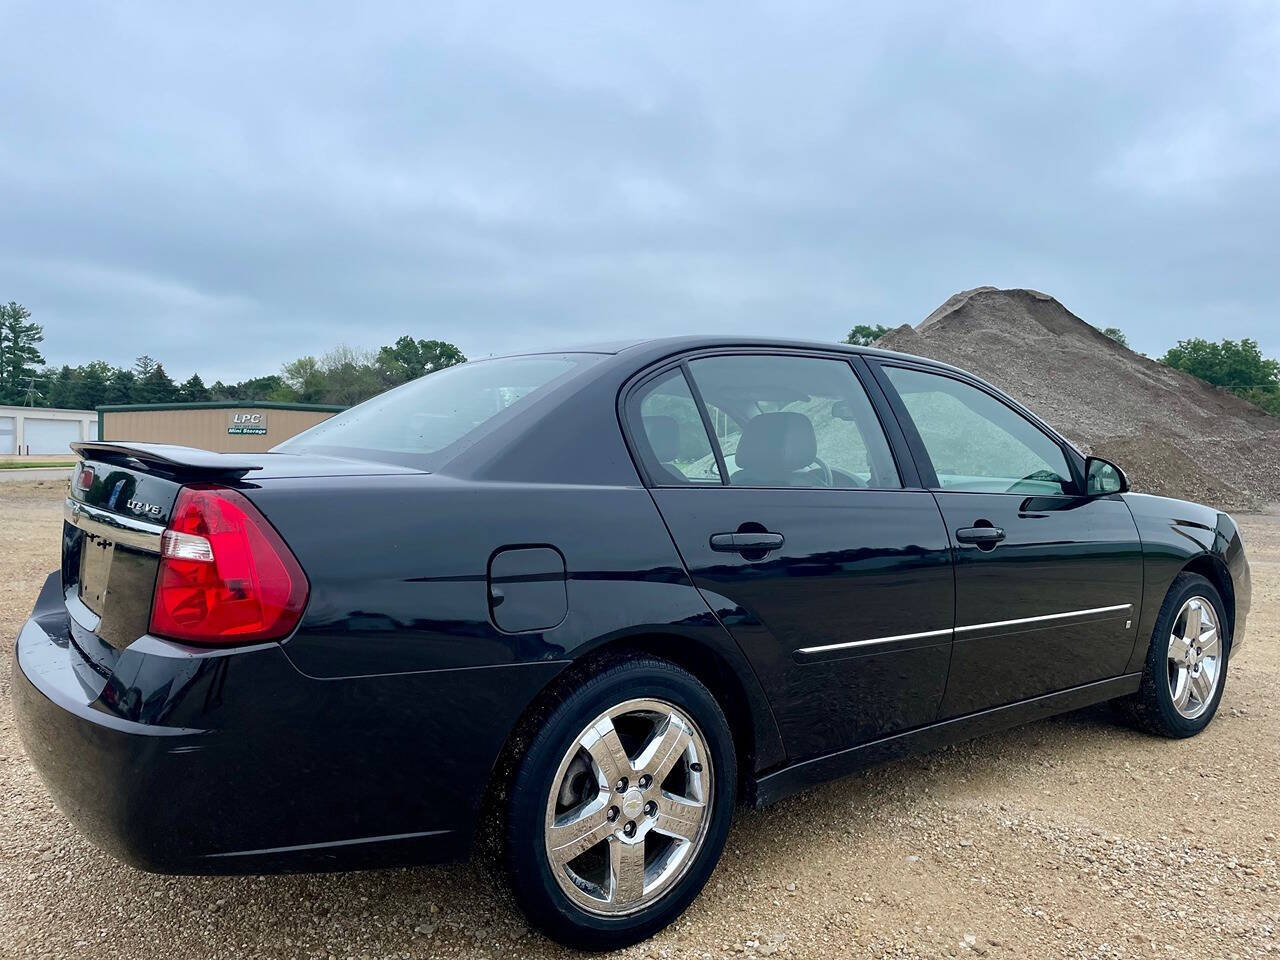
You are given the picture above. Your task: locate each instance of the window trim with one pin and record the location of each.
(705, 416)
(924, 462)
(638, 444)
(899, 448)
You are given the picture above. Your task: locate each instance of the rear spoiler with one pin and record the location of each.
(170, 458)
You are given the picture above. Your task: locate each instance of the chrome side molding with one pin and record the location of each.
(1120, 608)
(827, 648)
(1092, 611)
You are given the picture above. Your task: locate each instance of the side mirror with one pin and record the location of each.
(1102, 477)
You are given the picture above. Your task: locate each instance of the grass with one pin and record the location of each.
(34, 464)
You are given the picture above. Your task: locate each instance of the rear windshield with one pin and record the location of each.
(431, 420)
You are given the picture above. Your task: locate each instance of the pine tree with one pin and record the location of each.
(194, 390)
(19, 351)
(156, 387)
(123, 387)
(221, 391)
(61, 387)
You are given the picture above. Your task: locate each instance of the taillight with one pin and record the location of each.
(225, 575)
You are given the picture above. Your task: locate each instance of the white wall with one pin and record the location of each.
(50, 430)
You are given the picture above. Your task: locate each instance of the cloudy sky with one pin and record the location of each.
(227, 187)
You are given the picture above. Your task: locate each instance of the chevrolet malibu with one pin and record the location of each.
(602, 596)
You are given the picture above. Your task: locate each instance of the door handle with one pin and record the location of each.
(984, 536)
(763, 542)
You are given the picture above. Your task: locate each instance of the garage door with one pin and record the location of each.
(49, 436)
(8, 435)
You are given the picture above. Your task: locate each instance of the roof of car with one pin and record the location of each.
(665, 345)
(650, 350)
(709, 341)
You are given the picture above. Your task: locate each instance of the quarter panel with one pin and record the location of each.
(399, 565)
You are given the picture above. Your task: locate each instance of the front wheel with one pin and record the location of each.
(1186, 668)
(620, 808)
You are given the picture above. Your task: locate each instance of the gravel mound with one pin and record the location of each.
(1173, 434)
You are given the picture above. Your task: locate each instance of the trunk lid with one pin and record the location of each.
(121, 498)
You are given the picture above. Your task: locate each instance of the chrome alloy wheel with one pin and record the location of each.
(1195, 657)
(629, 807)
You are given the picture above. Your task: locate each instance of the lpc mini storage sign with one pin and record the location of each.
(247, 424)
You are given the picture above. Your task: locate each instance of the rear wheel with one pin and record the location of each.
(1186, 668)
(619, 809)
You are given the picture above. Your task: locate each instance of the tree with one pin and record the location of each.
(193, 390)
(92, 385)
(304, 378)
(865, 334)
(1268, 400)
(19, 351)
(1235, 364)
(270, 387)
(61, 387)
(438, 354)
(342, 376)
(349, 376)
(1116, 334)
(407, 359)
(155, 387)
(123, 387)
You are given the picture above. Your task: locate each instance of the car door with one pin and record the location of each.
(1048, 581)
(813, 543)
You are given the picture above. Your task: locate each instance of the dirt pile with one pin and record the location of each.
(1173, 434)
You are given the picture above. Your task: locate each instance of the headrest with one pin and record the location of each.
(777, 443)
(664, 437)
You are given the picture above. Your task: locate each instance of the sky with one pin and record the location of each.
(226, 187)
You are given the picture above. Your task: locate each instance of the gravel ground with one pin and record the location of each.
(29, 475)
(1073, 837)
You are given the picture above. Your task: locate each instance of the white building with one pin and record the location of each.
(44, 430)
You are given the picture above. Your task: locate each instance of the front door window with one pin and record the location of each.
(978, 444)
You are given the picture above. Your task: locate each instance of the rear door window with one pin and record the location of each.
(673, 439)
(791, 421)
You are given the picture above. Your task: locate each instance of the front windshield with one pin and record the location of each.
(427, 422)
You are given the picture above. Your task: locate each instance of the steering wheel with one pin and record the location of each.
(827, 480)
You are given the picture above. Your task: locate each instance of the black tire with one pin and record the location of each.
(528, 864)
(1152, 708)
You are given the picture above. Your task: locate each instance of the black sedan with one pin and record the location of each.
(603, 596)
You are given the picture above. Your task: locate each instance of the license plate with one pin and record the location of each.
(95, 573)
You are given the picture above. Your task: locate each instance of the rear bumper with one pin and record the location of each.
(185, 761)
(113, 778)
